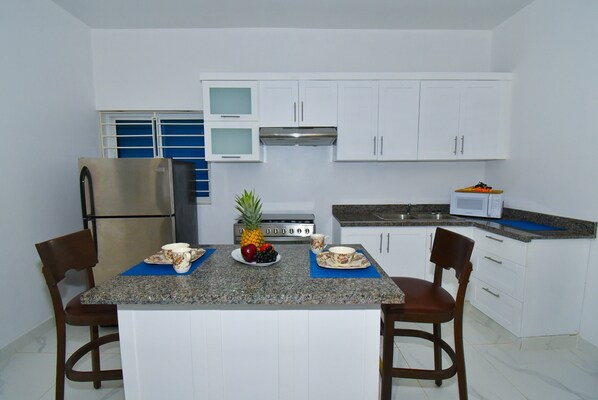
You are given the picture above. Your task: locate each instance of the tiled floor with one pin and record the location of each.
(499, 367)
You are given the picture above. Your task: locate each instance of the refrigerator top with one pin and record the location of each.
(127, 187)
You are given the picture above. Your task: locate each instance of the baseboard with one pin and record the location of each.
(587, 347)
(7, 351)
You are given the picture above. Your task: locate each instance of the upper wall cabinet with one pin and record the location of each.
(230, 100)
(298, 103)
(463, 120)
(378, 120)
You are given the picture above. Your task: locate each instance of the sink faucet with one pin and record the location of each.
(408, 208)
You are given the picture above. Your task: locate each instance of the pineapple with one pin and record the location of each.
(250, 207)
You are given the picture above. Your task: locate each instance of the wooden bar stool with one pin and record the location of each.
(76, 251)
(428, 302)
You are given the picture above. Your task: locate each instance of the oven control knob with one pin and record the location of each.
(291, 231)
(283, 231)
(276, 231)
(268, 231)
(241, 230)
(307, 231)
(298, 230)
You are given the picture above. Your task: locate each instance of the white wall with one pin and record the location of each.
(159, 69)
(48, 120)
(550, 46)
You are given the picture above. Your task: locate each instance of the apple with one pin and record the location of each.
(248, 252)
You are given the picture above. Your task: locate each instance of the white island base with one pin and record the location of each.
(250, 352)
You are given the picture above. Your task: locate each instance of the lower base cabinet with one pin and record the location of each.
(531, 289)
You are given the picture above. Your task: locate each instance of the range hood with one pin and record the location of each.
(298, 136)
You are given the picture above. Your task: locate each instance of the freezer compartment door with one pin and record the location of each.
(130, 187)
(124, 242)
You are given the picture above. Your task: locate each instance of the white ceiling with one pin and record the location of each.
(306, 14)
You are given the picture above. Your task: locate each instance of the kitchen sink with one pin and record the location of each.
(423, 216)
(394, 216)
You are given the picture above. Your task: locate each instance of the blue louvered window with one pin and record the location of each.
(177, 135)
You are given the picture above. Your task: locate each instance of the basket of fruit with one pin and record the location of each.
(481, 187)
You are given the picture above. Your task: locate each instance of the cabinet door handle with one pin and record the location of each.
(491, 292)
(431, 240)
(381, 145)
(388, 243)
(374, 145)
(302, 111)
(230, 116)
(493, 238)
(294, 111)
(455, 150)
(380, 243)
(462, 143)
(230, 156)
(493, 260)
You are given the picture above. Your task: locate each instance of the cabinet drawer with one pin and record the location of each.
(501, 273)
(509, 249)
(502, 308)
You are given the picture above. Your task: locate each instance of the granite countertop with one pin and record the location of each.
(220, 280)
(365, 215)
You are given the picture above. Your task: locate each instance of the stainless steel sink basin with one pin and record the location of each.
(433, 215)
(422, 216)
(394, 216)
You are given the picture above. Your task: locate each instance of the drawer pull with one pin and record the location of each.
(492, 259)
(491, 292)
(230, 116)
(493, 238)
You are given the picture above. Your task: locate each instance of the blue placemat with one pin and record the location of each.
(315, 271)
(144, 268)
(527, 226)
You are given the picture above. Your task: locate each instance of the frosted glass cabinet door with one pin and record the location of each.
(232, 141)
(230, 100)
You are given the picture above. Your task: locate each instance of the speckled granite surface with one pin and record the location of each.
(365, 215)
(220, 280)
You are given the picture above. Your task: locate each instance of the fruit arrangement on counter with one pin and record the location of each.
(481, 187)
(253, 248)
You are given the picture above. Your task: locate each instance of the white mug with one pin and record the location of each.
(318, 243)
(181, 259)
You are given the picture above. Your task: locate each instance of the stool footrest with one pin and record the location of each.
(92, 376)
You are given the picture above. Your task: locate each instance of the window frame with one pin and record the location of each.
(108, 136)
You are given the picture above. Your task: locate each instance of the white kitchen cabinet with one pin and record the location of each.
(378, 120)
(400, 251)
(230, 100)
(357, 136)
(298, 103)
(531, 289)
(463, 120)
(449, 280)
(232, 141)
(398, 120)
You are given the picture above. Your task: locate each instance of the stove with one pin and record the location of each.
(282, 228)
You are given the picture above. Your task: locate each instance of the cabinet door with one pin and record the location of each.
(232, 141)
(230, 100)
(279, 103)
(406, 252)
(439, 120)
(479, 122)
(398, 120)
(318, 103)
(369, 238)
(357, 138)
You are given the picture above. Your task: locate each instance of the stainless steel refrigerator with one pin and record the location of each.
(134, 206)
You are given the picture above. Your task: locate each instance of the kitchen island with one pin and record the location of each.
(233, 331)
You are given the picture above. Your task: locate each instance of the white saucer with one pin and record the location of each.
(359, 261)
(236, 254)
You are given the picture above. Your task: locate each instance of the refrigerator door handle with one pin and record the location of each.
(86, 182)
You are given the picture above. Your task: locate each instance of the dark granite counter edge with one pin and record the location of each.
(361, 215)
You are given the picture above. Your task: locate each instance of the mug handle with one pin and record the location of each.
(326, 241)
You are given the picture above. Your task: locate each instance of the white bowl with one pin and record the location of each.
(341, 254)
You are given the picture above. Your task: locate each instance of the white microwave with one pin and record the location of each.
(485, 205)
